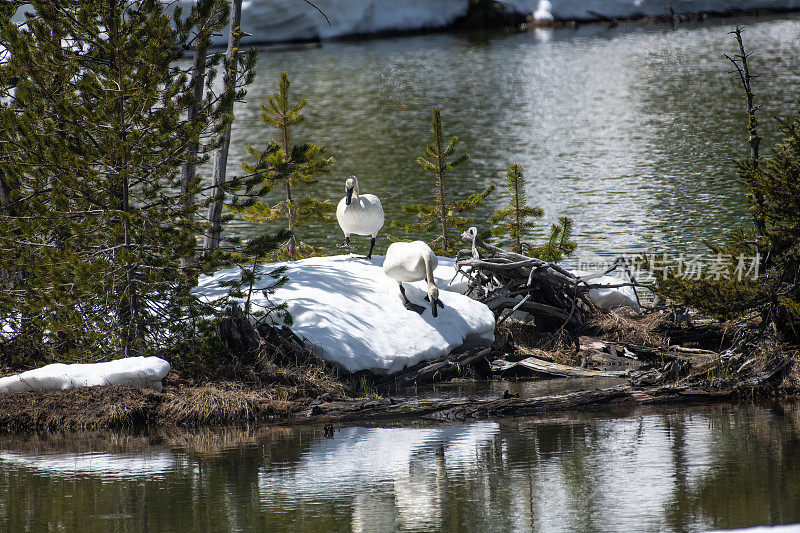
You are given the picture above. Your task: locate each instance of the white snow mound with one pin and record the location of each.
(611, 297)
(132, 371)
(354, 315)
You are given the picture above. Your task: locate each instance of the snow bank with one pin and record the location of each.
(611, 297)
(354, 315)
(287, 20)
(132, 371)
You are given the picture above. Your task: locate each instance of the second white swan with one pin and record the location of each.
(413, 261)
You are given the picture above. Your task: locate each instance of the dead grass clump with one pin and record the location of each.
(82, 408)
(527, 341)
(273, 356)
(219, 404)
(623, 325)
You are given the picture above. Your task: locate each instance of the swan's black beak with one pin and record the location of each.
(434, 305)
(349, 196)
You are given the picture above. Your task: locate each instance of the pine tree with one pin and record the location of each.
(770, 252)
(286, 166)
(94, 131)
(249, 261)
(444, 216)
(516, 225)
(516, 213)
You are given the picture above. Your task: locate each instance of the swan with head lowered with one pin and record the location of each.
(413, 261)
(359, 214)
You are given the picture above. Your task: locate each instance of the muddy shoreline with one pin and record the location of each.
(126, 407)
(630, 360)
(215, 405)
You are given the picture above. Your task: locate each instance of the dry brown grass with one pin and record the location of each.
(623, 325)
(223, 403)
(527, 342)
(84, 408)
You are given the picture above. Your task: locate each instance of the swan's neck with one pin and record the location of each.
(355, 190)
(428, 271)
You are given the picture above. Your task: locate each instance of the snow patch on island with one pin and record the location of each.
(144, 372)
(353, 314)
(611, 297)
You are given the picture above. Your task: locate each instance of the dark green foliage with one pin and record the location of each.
(726, 286)
(771, 287)
(515, 224)
(93, 135)
(558, 243)
(514, 216)
(445, 215)
(285, 166)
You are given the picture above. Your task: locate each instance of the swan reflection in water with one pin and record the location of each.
(397, 474)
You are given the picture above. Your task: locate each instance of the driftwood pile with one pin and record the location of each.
(508, 282)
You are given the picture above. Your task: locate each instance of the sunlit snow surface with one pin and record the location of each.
(353, 313)
(132, 371)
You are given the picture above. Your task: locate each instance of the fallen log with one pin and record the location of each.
(548, 368)
(371, 410)
(438, 370)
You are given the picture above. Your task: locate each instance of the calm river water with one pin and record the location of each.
(631, 131)
(654, 469)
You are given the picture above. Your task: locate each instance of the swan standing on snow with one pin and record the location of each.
(413, 261)
(359, 214)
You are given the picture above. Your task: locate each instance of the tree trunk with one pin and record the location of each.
(442, 206)
(5, 191)
(754, 140)
(221, 156)
(188, 170)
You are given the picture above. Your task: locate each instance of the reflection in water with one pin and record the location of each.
(654, 469)
(152, 463)
(402, 471)
(631, 131)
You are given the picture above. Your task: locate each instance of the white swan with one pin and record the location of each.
(544, 12)
(413, 261)
(359, 214)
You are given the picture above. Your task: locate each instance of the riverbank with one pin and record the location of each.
(629, 362)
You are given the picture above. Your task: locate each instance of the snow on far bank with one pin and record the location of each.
(589, 10)
(354, 315)
(287, 20)
(131, 371)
